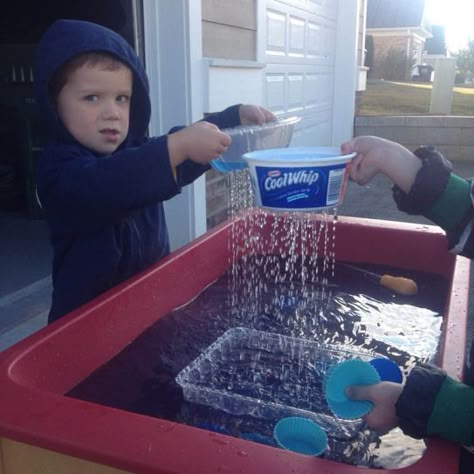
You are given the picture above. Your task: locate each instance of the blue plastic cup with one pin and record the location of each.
(387, 369)
(300, 435)
(219, 164)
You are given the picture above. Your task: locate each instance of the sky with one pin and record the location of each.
(457, 16)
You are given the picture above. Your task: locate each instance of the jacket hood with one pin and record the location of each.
(66, 39)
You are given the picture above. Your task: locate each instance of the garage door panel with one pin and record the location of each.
(296, 98)
(323, 8)
(301, 38)
(296, 37)
(299, 52)
(314, 130)
(276, 33)
(275, 92)
(294, 91)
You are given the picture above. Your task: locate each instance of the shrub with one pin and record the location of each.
(396, 66)
(369, 53)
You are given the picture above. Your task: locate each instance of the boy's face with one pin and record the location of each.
(94, 106)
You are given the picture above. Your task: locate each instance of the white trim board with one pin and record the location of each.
(173, 55)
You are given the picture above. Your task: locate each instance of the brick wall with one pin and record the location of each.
(217, 197)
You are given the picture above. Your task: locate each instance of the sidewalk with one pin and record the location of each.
(25, 281)
(24, 311)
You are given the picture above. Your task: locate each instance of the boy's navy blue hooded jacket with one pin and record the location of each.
(105, 213)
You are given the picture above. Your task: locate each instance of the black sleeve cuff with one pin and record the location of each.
(228, 118)
(176, 129)
(429, 184)
(417, 399)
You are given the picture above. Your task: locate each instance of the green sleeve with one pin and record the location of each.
(451, 207)
(453, 413)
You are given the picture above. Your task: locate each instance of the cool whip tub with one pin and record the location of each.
(300, 178)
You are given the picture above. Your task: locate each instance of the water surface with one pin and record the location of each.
(346, 310)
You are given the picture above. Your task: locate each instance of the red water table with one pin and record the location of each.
(44, 431)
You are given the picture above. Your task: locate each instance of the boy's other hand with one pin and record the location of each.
(384, 395)
(366, 164)
(378, 155)
(250, 114)
(200, 142)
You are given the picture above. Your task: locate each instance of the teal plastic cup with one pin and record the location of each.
(342, 375)
(300, 435)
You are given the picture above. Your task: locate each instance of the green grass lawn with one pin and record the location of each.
(410, 98)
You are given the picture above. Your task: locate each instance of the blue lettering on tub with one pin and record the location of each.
(280, 180)
(296, 188)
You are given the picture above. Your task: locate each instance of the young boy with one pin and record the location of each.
(100, 181)
(430, 403)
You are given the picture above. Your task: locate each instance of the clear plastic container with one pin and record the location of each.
(267, 376)
(247, 138)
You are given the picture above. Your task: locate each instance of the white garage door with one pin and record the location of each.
(298, 45)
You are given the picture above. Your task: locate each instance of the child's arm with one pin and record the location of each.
(203, 141)
(241, 114)
(384, 395)
(377, 155)
(250, 114)
(200, 142)
(424, 184)
(429, 404)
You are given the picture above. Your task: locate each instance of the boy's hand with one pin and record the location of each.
(250, 114)
(200, 142)
(368, 160)
(384, 395)
(377, 155)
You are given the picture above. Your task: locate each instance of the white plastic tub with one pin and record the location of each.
(300, 178)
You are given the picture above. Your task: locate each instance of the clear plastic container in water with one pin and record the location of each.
(268, 376)
(246, 138)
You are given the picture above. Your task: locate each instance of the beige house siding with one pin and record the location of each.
(217, 201)
(229, 29)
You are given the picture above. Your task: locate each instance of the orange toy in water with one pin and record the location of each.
(400, 285)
